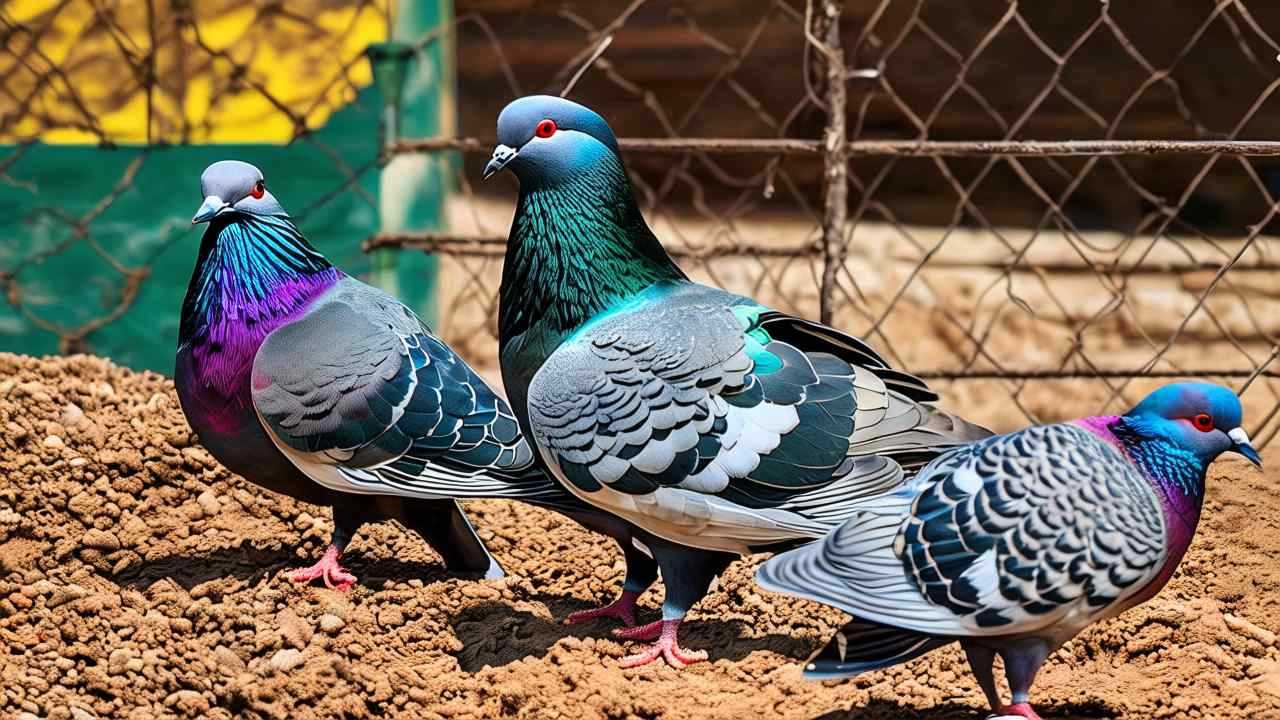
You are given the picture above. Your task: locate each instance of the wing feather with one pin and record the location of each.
(1006, 536)
(363, 398)
(705, 392)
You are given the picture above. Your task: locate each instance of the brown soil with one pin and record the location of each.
(139, 579)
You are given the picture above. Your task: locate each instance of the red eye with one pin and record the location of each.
(259, 189)
(1203, 422)
(546, 128)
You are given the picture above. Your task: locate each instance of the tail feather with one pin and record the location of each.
(862, 646)
(442, 480)
(913, 434)
(862, 478)
(904, 439)
(444, 525)
(815, 336)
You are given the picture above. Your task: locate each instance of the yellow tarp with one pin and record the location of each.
(78, 71)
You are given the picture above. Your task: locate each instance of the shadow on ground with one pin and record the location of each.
(889, 710)
(250, 563)
(495, 634)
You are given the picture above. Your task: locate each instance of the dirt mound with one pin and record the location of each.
(139, 579)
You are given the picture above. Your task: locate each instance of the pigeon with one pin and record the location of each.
(1014, 544)
(314, 385)
(714, 426)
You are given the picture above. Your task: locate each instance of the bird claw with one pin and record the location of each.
(666, 647)
(624, 609)
(1018, 711)
(650, 631)
(328, 569)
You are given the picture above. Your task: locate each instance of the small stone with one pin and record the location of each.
(285, 660)
(331, 623)
(1243, 627)
(481, 591)
(84, 504)
(190, 702)
(420, 696)
(100, 540)
(228, 660)
(79, 713)
(72, 415)
(65, 594)
(391, 617)
(15, 431)
(209, 503)
(39, 587)
(53, 441)
(293, 629)
(118, 661)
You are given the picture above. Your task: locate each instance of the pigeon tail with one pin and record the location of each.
(445, 527)
(861, 646)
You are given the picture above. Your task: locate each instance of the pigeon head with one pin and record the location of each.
(545, 139)
(234, 186)
(1199, 417)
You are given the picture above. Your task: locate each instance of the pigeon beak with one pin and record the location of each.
(211, 206)
(501, 156)
(1244, 447)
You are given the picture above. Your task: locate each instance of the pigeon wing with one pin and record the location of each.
(1009, 535)
(363, 398)
(687, 407)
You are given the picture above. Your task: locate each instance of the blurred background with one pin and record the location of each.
(1045, 208)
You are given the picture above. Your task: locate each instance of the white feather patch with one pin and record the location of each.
(609, 469)
(984, 575)
(655, 458)
(712, 479)
(968, 480)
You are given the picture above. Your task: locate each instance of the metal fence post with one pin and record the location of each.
(413, 189)
(389, 61)
(824, 36)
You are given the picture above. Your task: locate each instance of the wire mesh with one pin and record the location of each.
(1044, 206)
(1058, 207)
(107, 112)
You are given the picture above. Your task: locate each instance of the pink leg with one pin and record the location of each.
(329, 569)
(624, 609)
(1022, 710)
(667, 647)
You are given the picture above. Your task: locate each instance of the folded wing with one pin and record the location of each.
(1007, 535)
(363, 398)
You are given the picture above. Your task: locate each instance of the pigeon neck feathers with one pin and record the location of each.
(1175, 472)
(579, 246)
(254, 273)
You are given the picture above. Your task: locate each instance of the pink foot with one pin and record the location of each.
(667, 647)
(329, 569)
(651, 631)
(624, 609)
(1022, 710)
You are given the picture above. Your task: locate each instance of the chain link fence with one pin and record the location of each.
(109, 112)
(1044, 208)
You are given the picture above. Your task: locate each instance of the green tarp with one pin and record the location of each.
(57, 279)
